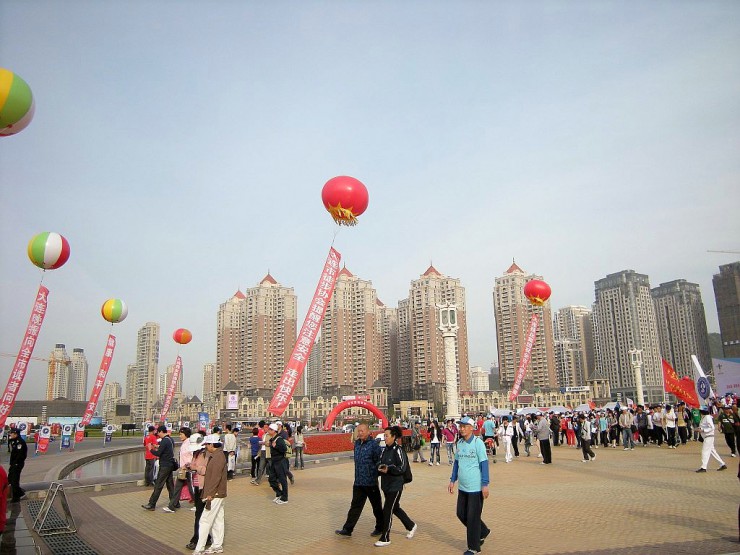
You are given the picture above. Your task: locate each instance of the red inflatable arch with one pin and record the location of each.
(354, 403)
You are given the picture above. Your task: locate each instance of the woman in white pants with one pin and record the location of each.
(706, 426)
(506, 431)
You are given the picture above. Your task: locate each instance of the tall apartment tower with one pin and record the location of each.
(210, 382)
(313, 374)
(168, 375)
(421, 364)
(574, 345)
(256, 334)
(78, 376)
(682, 325)
(60, 368)
(350, 337)
(131, 375)
(231, 339)
(112, 393)
(147, 361)
(388, 319)
(727, 296)
(513, 313)
(624, 319)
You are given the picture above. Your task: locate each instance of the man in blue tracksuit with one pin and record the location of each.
(367, 457)
(471, 468)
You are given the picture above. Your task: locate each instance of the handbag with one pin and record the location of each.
(182, 473)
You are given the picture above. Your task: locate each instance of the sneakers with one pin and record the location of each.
(723, 467)
(193, 508)
(276, 499)
(214, 550)
(167, 510)
(585, 460)
(343, 532)
(147, 507)
(375, 533)
(470, 552)
(593, 458)
(702, 470)
(281, 502)
(413, 530)
(381, 544)
(626, 449)
(431, 464)
(733, 455)
(438, 462)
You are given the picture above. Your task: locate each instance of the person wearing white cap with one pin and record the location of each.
(542, 432)
(214, 495)
(471, 470)
(707, 449)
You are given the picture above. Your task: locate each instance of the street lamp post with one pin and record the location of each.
(448, 326)
(636, 362)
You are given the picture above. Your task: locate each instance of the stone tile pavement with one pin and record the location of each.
(648, 500)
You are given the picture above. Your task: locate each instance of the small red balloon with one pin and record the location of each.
(182, 336)
(537, 292)
(345, 198)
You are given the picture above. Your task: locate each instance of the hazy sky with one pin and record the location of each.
(181, 148)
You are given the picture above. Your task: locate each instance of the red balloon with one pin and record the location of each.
(537, 292)
(182, 336)
(345, 198)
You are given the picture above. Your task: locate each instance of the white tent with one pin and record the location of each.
(585, 407)
(560, 409)
(527, 410)
(501, 412)
(611, 405)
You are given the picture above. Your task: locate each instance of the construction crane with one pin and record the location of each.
(52, 371)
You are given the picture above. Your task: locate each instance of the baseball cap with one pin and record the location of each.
(274, 427)
(466, 420)
(538, 413)
(196, 443)
(213, 438)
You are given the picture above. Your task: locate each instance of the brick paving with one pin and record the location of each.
(648, 500)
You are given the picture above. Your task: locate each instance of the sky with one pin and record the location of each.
(181, 148)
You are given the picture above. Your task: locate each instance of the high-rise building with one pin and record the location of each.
(168, 375)
(351, 338)
(624, 319)
(112, 393)
(388, 318)
(60, 368)
(210, 382)
(131, 376)
(478, 379)
(727, 296)
(421, 354)
(147, 361)
(256, 335)
(78, 376)
(313, 374)
(682, 325)
(513, 312)
(574, 346)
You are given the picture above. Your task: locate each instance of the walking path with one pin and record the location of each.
(648, 500)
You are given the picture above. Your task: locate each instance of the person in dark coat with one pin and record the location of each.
(18, 454)
(393, 464)
(167, 465)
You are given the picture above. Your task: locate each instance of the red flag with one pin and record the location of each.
(307, 336)
(683, 388)
(526, 356)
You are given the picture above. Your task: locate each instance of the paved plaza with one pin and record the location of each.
(648, 500)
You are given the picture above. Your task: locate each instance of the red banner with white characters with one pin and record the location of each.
(110, 347)
(44, 437)
(307, 336)
(21, 362)
(79, 432)
(171, 389)
(684, 388)
(526, 356)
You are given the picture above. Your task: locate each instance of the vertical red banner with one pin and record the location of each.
(24, 354)
(307, 336)
(171, 389)
(79, 432)
(110, 347)
(526, 356)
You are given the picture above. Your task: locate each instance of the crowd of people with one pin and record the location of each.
(382, 466)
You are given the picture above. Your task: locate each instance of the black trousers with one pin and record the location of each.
(469, 511)
(359, 495)
(515, 445)
(175, 495)
(730, 440)
(279, 478)
(14, 479)
(164, 477)
(546, 451)
(587, 451)
(255, 464)
(391, 507)
(555, 437)
(683, 434)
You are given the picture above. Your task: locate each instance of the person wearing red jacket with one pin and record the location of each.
(150, 442)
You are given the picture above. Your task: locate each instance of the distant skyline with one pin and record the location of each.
(181, 148)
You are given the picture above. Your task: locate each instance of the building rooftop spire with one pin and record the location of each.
(514, 268)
